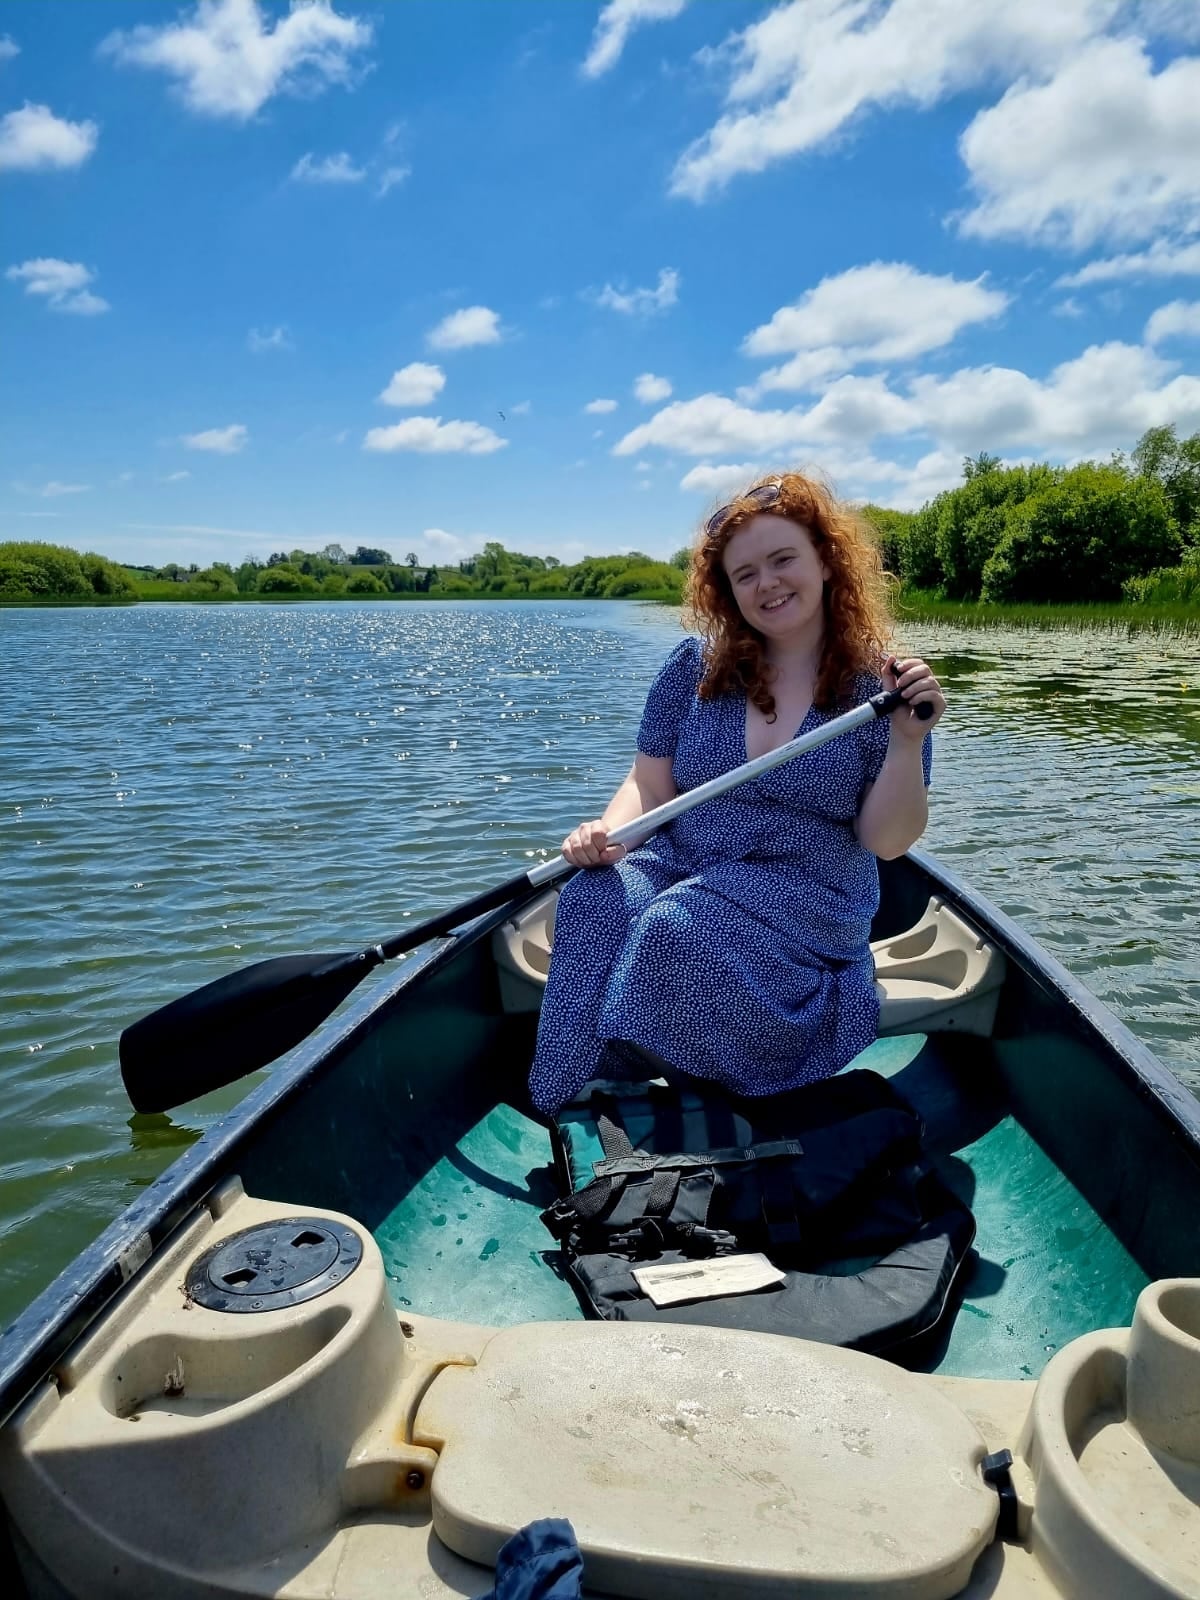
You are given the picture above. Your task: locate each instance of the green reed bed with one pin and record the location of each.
(1122, 617)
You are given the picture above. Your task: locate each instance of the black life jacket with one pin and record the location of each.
(829, 1181)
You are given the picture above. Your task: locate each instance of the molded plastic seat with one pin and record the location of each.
(940, 976)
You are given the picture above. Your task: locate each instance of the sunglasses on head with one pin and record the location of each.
(765, 495)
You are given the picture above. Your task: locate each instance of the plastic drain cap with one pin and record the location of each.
(274, 1264)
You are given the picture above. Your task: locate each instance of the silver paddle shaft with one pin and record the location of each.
(640, 828)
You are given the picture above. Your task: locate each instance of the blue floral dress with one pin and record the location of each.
(733, 944)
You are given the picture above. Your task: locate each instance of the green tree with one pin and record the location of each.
(282, 578)
(334, 554)
(105, 576)
(919, 564)
(967, 529)
(246, 576)
(364, 583)
(333, 583)
(213, 582)
(647, 577)
(492, 563)
(682, 558)
(31, 570)
(1175, 463)
(365, 556)
(1082, 538)
(891, 529)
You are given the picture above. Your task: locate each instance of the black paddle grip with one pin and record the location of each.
(888, 701)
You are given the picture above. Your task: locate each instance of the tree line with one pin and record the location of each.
(1127, 528)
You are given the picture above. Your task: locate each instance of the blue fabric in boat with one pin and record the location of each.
(855, 1182)
(540, 1562)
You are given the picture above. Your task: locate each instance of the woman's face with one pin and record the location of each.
(777, 577)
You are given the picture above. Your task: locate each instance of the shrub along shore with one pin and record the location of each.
(1110, 544)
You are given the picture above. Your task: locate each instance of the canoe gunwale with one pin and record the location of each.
(41, 1335)
(1141, 1069)
(32, 1345)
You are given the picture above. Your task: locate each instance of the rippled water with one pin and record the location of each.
(184, 789)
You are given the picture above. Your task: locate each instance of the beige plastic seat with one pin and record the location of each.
(327, 1449)
(939, 976)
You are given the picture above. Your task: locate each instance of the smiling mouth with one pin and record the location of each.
(775, 605)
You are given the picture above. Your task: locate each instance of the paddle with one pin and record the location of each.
(239, 1023)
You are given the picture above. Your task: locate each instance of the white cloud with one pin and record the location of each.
(599, 408)
(643, 302)
(222, 441)
(228, 62)
(616, 22)
(176, 477)
(123, 477)
(34, 138)
(806, 70)
(1108, 149)
(650, 389)
(712, 424)
(337, 168)
(390, 177)
(53, 489)
(444, 540)
(8, 48)
(715, 479)
(856, 408)
(521, 409)
(414, 385)
(62, 284)
(277, 339)
(1174, 19)
(1097, 402)
(1164, 259)
(1069, 307)
(432, 436)
(1179, 319)
(461, 329)
(808, 370)
(884, 311)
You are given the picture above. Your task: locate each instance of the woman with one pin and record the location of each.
(733, 944)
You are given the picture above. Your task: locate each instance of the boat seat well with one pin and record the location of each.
(466, 1241)
(939, 976)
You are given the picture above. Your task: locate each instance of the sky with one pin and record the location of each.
(566, 274)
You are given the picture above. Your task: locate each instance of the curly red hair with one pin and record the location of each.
(858, 623)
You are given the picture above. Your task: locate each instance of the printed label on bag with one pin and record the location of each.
(705, 1280)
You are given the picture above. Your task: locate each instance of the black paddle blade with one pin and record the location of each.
(234, 1025)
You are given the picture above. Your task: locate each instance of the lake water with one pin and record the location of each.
(185, 789)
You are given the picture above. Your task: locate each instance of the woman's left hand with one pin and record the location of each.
(915, 678)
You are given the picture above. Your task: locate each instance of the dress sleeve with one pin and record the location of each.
(671, 693)
(877, 749)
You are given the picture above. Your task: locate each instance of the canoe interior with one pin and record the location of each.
(418, 1126)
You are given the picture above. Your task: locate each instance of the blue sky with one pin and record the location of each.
(561, 274)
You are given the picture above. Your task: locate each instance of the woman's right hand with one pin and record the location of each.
(588, 846)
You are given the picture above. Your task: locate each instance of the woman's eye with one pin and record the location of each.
(782, 561)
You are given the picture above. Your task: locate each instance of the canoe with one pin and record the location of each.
(328, 1353)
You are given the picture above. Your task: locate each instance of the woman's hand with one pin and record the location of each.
(916, 679)
(588, 846)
